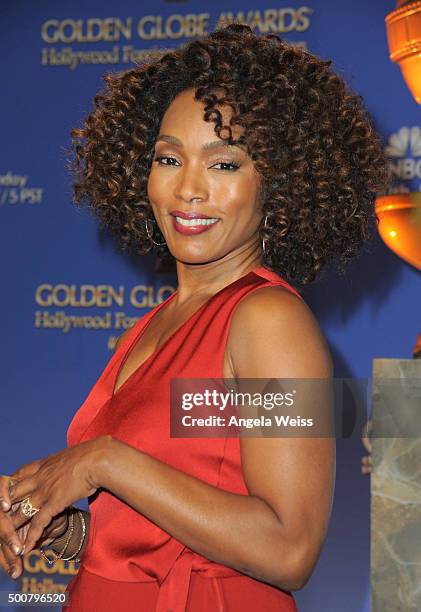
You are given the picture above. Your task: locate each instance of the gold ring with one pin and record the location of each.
(27, 508)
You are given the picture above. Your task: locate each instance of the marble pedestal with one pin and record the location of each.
(396, 486)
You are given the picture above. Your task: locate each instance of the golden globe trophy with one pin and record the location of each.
(403, 26)
(400, 225)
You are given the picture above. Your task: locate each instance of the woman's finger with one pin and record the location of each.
(8, 535)
(5, 500)
(23, 489)
(37, 526)
(26, 470)
(7, 483)
(11, 564)
(20, 518)
(33, 527)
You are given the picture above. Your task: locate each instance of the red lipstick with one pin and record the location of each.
(189, 215)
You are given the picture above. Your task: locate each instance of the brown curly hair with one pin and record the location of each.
(309, 136)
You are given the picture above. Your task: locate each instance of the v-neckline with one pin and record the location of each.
(116, 392)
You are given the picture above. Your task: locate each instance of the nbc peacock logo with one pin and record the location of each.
(404, 154)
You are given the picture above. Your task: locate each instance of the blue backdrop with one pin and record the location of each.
(67, 292)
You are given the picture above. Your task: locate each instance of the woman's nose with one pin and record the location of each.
(191, 185)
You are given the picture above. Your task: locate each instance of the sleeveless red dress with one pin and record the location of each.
(130, 563)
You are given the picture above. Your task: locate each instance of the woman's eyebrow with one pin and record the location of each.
(208, 145)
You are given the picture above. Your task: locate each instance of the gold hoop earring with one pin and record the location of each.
(149, 234)
(264, 241)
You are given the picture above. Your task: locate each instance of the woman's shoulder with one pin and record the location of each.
(271, 324)
(275, 301)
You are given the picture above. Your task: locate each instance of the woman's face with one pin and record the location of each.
(193, 171)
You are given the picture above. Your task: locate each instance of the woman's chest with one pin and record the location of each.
(154, 340)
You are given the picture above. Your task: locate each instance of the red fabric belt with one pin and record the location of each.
(174, 590)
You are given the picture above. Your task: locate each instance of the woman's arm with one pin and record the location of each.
(276, 533)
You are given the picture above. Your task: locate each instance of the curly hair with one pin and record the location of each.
(308, 135)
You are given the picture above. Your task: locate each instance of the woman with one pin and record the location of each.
(265, 145)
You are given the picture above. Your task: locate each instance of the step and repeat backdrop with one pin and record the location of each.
(67, 291)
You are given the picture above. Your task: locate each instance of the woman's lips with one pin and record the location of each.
(195, 226)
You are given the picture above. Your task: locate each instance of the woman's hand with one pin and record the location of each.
(11, 540)
(56, 482)
(10, 562)
(8, 536)
(13, 564)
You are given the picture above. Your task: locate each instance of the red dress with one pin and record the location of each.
(130, 563)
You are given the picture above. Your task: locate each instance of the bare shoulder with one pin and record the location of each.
(274, 333)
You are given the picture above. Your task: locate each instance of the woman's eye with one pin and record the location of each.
(159, 159)
(234, 165)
